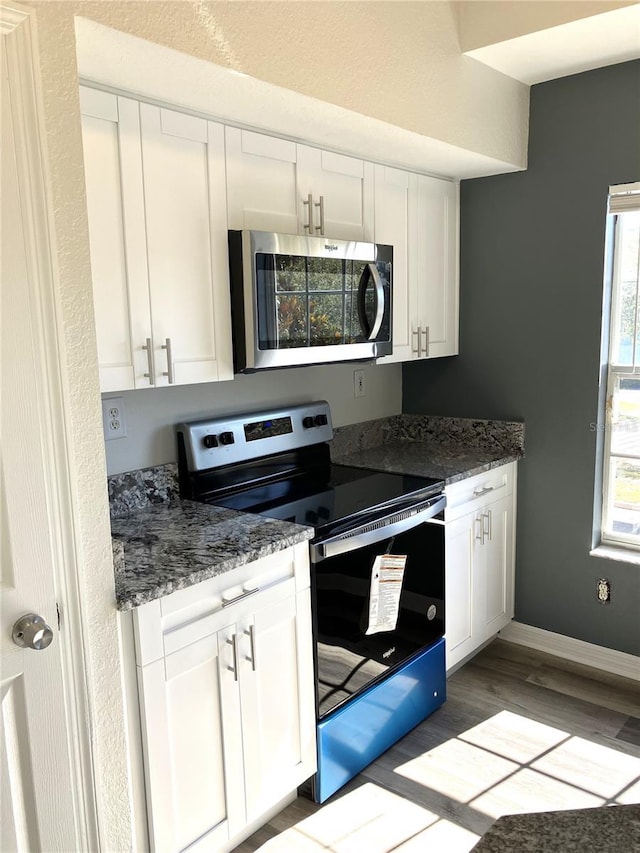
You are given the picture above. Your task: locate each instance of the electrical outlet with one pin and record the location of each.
(113, 418)
(358, 383)
(603, 590)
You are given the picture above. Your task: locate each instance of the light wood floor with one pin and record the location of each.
(521, 731)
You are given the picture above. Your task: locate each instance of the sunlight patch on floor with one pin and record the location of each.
(510, 764)
(458, 770)
(581, 763)
(369, 818)
(527, 791)
(514, 737)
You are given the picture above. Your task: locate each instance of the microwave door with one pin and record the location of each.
(370, 302)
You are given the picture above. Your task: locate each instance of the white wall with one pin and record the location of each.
(152, 413)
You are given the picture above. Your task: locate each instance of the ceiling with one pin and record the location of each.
(533, 41)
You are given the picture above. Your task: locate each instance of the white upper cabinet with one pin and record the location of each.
(156, 197)
(281, 186)
(395, 202)
(419, 216)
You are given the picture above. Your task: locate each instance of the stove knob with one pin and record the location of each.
(227, 438)
(210, 441)
(307, 422)
(320, 420)
(311, 517)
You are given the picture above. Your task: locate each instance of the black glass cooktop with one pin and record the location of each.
(325, 498)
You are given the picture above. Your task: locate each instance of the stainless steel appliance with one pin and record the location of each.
(307, 300)
(377, 571)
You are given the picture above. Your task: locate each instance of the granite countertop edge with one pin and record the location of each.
(154, 549)
(159, 564)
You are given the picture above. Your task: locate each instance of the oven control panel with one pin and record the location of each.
(213, 442)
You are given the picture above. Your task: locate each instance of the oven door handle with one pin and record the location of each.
(359, 537)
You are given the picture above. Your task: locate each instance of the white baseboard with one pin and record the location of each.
(619, 663)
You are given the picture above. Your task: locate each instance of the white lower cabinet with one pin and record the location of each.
(479, 560)
(227, 705)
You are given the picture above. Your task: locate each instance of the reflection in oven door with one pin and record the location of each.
(350, 660)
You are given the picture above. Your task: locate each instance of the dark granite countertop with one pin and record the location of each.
(446, 448)
(423, 459)
(173, 545)
(606, 829)
(162, 544)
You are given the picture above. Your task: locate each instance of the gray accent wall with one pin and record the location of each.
(531, 296)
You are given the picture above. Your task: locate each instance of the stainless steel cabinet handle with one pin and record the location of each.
(251, 633)
(488, 530)
(242, 595)
(478, 520)
(151, 375)
(309, 225)
(480, 492)
(320, 204)
(169, 371)
(417, 333)
(32, 632)
(234, 669)
(426, 342)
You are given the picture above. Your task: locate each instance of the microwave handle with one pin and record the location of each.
(371, 271)
(354, 540)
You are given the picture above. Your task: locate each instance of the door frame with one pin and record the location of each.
(18, 28)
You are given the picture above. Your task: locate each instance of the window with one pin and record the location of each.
(621, 460)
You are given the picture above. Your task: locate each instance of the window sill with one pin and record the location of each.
(619, 553)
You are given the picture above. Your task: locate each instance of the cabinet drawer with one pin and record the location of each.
(474, 492)
(170, 623)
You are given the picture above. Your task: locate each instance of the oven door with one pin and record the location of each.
(355, 645)
(309, 300)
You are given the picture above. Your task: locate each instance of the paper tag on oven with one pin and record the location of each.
(384, 598)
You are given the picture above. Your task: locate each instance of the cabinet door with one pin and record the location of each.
(497, 608)
(462, 575)
(437, 266)
(261, 182)
(192, 746)
(346, 187)
(395, 224)
(277, 696)
(185, 214)
(115, 207)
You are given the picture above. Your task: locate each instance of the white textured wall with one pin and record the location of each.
(87, 463)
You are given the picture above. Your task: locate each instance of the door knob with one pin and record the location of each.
(32, 632)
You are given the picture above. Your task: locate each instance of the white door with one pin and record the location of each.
(186, 234)
(192, 746)
(276, 694)
(37, 779)
(461, 580)
(436, 264)
(342, 190)
(115, 207)
(262, 183)
(395, 225)
(498, 523)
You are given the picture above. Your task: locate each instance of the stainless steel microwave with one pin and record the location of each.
(307, 300)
